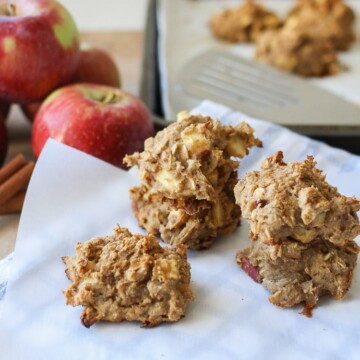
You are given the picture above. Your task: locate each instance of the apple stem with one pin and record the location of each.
(107, 98)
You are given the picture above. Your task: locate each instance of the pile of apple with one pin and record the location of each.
(71, 93)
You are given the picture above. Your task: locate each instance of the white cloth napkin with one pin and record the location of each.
(73, 197)
(4, 276)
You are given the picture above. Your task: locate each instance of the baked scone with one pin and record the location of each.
(243, 24)
(194, 223)
(128, 277)
(188, 173)
(330, 20)
(302, 232)
(294, 50)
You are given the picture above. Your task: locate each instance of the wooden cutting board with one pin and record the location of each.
(126, 49)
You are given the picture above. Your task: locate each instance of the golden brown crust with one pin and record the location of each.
(243, 24)
(188, 176)
(294, 200)
(297, 51)
(191, 222)
(302, 273)
(302, 232)
(330, 20)
(128, 277)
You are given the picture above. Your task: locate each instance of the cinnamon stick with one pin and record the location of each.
(12, 167)
(16, 183)
(14, 205)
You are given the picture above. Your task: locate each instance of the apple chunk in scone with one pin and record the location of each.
(188, 173)
(302, 232)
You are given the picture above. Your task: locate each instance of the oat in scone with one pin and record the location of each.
(130, 277)
(302, 232)
(330, 20)
(297, 51)
(243, 24)
(188, 173)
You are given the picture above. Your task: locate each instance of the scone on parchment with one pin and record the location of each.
(302, 232)
(329, 20)
(128, 277)
(244, 23)
(296, 51)
(188, 172)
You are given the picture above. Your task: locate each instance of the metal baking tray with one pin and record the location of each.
(347, 138)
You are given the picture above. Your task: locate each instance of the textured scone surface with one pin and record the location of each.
(293, 49)
(302, 232)
(330, 20)
(191, 222)
(188, 172)
(192, 157)
(294, 200)
(130, 277)
(244, 23)
(301, 273)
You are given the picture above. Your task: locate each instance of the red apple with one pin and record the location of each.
(30, 110)
(3, 139)
(95, 66)
(39, 48)
(4, 109)
(102, 121)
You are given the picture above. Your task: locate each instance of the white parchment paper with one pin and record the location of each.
(73, 197)
(184, 33)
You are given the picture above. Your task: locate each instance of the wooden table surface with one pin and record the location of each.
(126, 49)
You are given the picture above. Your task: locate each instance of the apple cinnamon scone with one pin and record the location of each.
(188, 172)
(330, 20)
(130, 277)
(302, 232)
(243, 24)
(296, 51)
